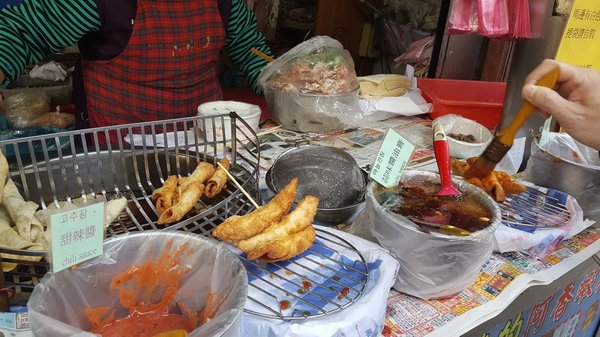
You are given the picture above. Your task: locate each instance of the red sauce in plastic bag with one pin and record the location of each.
(138, 288)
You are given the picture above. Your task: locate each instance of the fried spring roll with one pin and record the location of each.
(216, 183)
(286, 247)
(238, 228)
(296, 221)
(163, 196)
(189, 197)
(201, 174)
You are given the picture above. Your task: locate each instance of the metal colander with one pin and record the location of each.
(328, 173)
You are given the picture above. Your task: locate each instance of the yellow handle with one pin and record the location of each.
(507, 136)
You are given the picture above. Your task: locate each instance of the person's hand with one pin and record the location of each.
(576, 102)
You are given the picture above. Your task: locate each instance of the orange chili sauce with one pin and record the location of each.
(136, 286)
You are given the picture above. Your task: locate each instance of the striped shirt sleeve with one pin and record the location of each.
(243, 36)
(37, 28)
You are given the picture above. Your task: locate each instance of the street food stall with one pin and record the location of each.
(382, 205)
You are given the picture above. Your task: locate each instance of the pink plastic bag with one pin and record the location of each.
(522, 19)
(493, 17)
(463, 17)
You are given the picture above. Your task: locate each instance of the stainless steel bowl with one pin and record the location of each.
(328, 173)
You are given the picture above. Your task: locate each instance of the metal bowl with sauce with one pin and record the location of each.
(432, 264)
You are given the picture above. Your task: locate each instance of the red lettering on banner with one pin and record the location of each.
(585, 289)
(538, 315)
(563, 302)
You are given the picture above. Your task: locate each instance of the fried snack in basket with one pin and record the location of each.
(285, 248)
(216, 183)
(163, 197)
(295, 222)
(497, 183)
(237, 228)
(189, 198)
(187, 194)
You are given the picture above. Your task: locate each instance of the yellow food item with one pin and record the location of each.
(377, 86)
(174, 333)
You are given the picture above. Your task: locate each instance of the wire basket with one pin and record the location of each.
(64, 166)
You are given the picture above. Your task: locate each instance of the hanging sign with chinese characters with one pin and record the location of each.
(393, 156)
(580, 44)
(77, 235)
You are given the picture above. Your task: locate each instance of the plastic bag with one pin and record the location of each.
(57, 304)
(493, 17)
(319, 65)
(431, 266)
(463, 17)
(313, 87)
(21, 109)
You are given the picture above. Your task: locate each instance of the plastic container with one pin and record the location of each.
(476, 100)
(222, 128)
(460, 125)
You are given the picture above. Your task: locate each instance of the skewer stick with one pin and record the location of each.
(235, 182)
(261, 54)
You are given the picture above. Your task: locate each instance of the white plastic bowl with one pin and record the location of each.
(222, 127)
(457, 125)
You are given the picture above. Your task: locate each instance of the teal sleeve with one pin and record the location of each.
(243, 36)
(37, 28)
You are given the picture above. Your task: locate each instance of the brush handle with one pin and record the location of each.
(507, 135)
(442, 155)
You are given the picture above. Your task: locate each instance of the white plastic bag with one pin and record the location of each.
(57, 304)
(431, 265)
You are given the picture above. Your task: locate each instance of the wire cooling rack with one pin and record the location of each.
(328, 277)
(535, 208)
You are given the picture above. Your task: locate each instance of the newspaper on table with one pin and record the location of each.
(502, 279)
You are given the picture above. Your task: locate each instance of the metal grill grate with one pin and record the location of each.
(328, 277)
(533, 209)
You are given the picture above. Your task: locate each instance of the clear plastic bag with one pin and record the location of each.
(313, 87)
(319, 65)
(22, 108)
(431, 265)
(57, 304)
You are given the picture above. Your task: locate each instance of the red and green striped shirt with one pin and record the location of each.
(37, 28)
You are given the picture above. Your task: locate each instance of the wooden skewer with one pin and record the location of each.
(238, 185)
(261, 54)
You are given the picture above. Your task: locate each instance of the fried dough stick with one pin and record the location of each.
(163, 196)
(296, 221)
(218, 180)
(492, 186)
(285, 248)
(237, 228)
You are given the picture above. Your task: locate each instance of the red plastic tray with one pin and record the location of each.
(476, 100)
